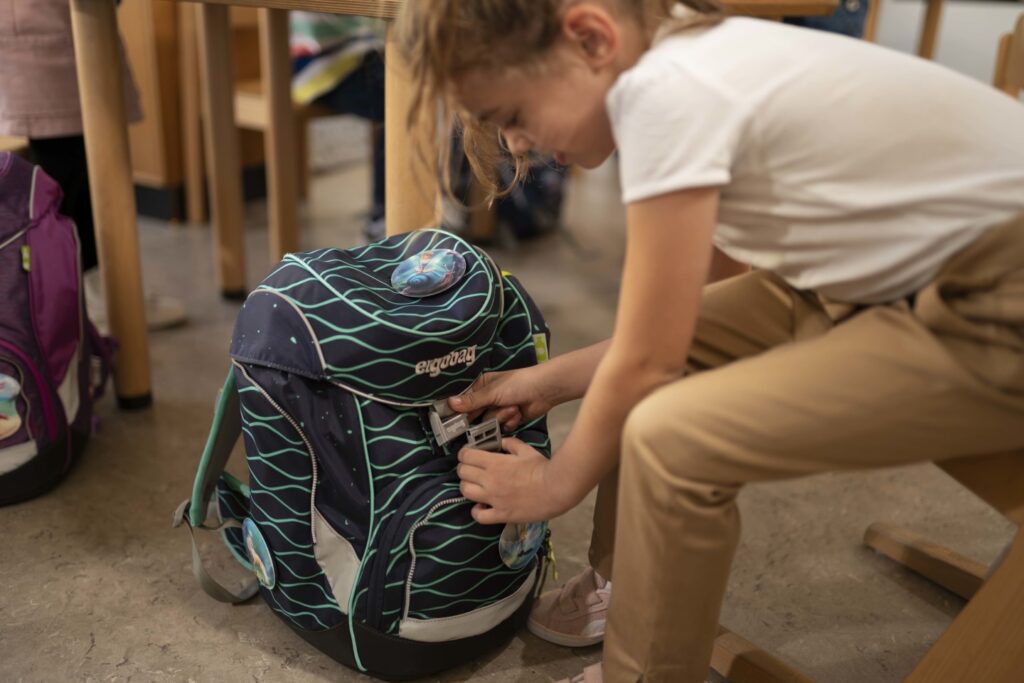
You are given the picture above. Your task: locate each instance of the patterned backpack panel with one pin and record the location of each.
(352, 519)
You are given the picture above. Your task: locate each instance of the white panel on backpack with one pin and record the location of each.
(68, 389)
(336, 557)
(473, 623)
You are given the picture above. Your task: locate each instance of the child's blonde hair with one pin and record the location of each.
(442, 40)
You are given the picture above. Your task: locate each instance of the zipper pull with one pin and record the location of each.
(549, 563)
(26, 258)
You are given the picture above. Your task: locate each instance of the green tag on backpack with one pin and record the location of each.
(540, 346)
(26, 258)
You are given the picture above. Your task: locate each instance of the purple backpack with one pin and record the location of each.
(47, 345)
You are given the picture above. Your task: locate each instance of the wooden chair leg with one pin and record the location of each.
(411, 195)
(871, 21)
(483, 216)
(954, 572)
(279, 136)
(984, 641)
(999, 79)
(930, 29)
(191, 116)
(224, 177)
(739, 661)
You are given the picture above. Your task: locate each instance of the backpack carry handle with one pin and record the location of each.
(193, 512)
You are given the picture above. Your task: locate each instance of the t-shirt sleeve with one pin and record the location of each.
(674, 130)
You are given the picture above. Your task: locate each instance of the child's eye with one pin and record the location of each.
(513, 121)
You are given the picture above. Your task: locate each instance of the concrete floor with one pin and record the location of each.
(96, 586)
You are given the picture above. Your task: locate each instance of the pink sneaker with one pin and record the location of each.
(592, 674)
(575, 614)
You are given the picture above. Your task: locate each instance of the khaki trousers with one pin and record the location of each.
(786, 384)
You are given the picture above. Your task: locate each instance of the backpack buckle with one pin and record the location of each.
(446, 424)
(485, 436)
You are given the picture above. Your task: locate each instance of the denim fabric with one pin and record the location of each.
(362, 94)
(848, 19)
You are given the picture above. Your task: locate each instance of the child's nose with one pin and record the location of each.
(517, 142)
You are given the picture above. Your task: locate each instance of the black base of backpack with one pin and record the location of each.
(43, 472)
(396, 659)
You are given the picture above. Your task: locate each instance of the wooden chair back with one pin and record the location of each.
(1009, 75)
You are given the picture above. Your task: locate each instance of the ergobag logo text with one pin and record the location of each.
(434, 366)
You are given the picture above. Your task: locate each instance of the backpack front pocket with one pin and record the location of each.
(456, 584)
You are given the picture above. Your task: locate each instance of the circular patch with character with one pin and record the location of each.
(520, 542)
(10, 421)
(259, 554)
(429, 272)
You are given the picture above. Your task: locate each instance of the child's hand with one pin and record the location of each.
(512, 487)
(513, 398)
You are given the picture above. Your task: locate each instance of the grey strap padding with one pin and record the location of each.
(224, 434)
(210, 585)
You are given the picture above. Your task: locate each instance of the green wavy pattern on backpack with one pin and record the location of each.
(287, 529)
(504, 592)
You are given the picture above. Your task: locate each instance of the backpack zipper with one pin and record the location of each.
(375, 588)
(412, 547)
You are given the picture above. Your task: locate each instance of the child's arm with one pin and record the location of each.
(668, 257)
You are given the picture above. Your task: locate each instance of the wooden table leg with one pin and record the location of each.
(279, 136)
(191, 115)
(224, 171)
(100, 79)
(930, 29)
(410, 180)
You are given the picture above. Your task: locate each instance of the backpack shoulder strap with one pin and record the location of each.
(193, 512)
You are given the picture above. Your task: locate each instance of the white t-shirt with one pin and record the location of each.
(846, 168)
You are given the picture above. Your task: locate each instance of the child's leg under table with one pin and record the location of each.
(891, 385)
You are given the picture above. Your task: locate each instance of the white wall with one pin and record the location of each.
(968, 34)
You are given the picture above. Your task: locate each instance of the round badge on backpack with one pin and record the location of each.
(428, 272)
(10, 421)
(259, 554)
(520, 542)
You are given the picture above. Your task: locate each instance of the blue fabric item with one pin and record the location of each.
(362, 94)
(848, 19)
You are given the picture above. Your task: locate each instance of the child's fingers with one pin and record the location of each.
(516, 447)
(470, 473)
(476, 458)
(508, 416)
(474, 400)
(485, 515)
(474, 492)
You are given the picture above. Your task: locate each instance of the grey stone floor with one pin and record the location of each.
(96, 586)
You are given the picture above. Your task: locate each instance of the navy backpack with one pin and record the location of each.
(47, 344)
(352, 520)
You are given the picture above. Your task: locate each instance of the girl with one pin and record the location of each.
(880, 199)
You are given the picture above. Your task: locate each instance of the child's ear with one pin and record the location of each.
(593, 31)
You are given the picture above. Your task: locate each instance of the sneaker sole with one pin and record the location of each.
(563, 639)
